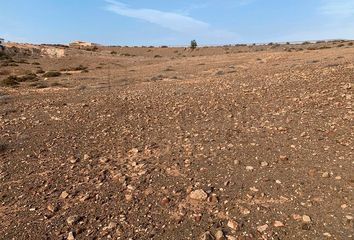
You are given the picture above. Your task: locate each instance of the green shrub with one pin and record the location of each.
(194, 44)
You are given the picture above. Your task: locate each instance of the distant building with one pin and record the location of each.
(82, 44)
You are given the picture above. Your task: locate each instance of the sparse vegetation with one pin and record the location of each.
(4, 72)
(52, 74)
(30, 77)
(10, 81)
(193, 44)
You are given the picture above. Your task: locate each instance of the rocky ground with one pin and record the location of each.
(245, 142)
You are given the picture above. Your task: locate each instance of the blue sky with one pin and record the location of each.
(175, 22)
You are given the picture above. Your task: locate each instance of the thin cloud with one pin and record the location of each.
(169, 20)
(338, 8)
(184, 25)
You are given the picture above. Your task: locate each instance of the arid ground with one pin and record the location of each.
(232, 142)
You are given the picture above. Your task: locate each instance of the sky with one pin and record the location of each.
(175, 22)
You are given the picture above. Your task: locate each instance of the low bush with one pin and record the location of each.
(4, 72)
(52, 74)
(30, 77)
(10, 81)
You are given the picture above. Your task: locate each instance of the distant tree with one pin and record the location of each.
(194, 44)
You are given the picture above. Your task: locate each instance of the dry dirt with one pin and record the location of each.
(230, 142)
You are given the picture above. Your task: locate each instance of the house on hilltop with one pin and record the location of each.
(79, 43)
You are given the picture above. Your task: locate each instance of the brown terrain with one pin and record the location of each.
(232, 142)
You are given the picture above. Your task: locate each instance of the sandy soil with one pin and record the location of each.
(245, 142)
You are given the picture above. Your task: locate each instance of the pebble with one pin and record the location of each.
(219, 235)
(165, 201)
(70, 236)
(110, 226)
(64, 195)
(207, 236)
(249, 168)
(278, 224)
(262, 228)
(199, 195)
(103, 159)
(264, 164)
(86, 157)
(306, 219)
(72, 219)
(343, 206)
(326, 234)
(52, 208)
(72, 159)
(229, 237)
(325, 175)
(232, 224)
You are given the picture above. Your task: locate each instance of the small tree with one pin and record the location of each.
(194, 44)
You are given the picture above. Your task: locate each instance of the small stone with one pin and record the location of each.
(86, 157)
(229, 237)
(165, 201)
(338, 178)
(326, 234)
(306, 219)
(72, 159)
(134, 151)
(110, 226)
(103, 159)
(199, 195)
(278, 181)
(245, 211)
(349, 217)
(344, 206)
(232, 224)
(70, 236)
(278, 224)
(264, 164)
(236, 162)
(84, 197)
(213, 199)
(206, 236)
(262, 228)
(283, 157)
(64, 195)
(325, 175)
(72, 219)
(249, 168)
(128, 197)
(296, 217)
(52, 208)
(197, 217)
(219, 235)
